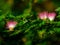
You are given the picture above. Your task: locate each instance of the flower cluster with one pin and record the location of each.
(44, 15)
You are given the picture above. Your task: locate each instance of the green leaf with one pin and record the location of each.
(57, 30)
(15, 32)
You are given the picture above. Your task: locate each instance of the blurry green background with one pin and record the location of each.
(30, 30)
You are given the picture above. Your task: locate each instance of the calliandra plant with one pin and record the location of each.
(28, 28)
(11, 25)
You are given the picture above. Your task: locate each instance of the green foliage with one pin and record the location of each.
(36, 31)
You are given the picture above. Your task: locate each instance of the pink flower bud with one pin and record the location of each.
(43, 15)
(51, 16)
(11, 25)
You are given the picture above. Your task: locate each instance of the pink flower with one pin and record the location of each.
(11, 25)
(51, 16)
(43, 15)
